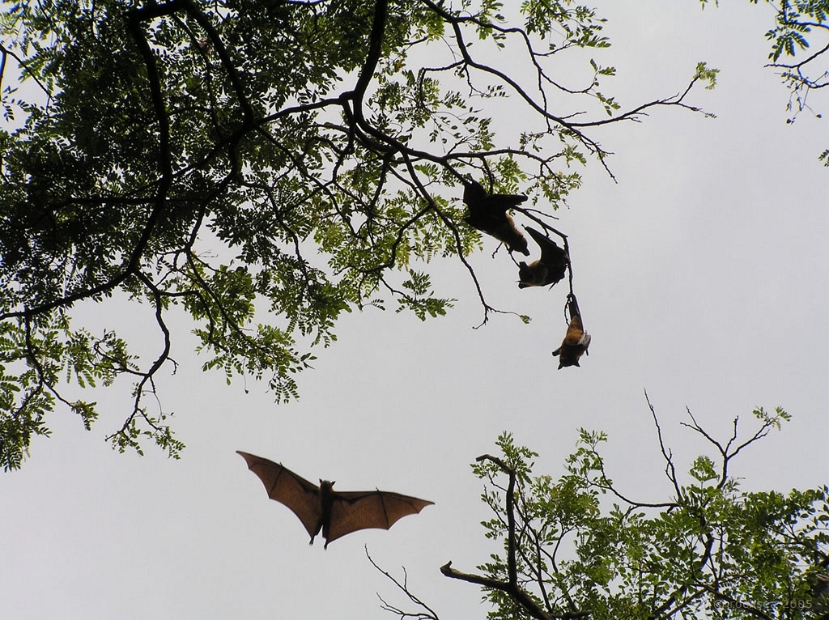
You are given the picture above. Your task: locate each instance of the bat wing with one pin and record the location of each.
(361, 510)
(505, 201)
(550, 268)
(474, 193)
(540, 239)
(551, 253)
(284, 486)
(476, 197)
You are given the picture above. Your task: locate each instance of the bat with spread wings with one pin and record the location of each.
(336, 513)
(488, 213)
(576, 340)
(549, 269)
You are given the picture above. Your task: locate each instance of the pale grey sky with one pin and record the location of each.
(701, 277)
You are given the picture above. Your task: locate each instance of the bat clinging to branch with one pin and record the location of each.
(576, 340)
(322, 508)
(549, 269)
(488, 213)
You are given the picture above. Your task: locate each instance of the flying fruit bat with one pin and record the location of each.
(322, 508)
(549, 269)
(576, 340)
(488, 213)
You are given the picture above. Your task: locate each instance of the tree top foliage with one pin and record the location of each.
(263, 166)
(581, 546)
(799, 26)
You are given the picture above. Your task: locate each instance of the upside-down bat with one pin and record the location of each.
(488, 213)
(576, 340)
(322, 508)
(549, 269)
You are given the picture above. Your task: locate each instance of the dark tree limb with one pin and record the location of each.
(511, 587)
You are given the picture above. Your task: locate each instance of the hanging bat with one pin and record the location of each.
(322, 508)
(549, 269)
(488, 213)
(576, 340)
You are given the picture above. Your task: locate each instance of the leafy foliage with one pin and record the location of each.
(232, 159)
(795, 23)
(710, 550)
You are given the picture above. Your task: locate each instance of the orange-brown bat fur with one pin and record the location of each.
(547, 270)
(336, 513)
(575, 342)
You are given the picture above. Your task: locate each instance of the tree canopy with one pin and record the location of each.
(795, 23)
(581, 547)
(264, 167)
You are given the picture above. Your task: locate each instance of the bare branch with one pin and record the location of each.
(670, 470)
(427, 614)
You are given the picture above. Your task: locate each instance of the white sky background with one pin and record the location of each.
(700, 275)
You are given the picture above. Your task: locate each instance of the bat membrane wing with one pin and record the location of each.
(551, 253)
(474, 193)
(361, 510)
(550, 269)
(506, 201)
(286, 487)
(544, 242)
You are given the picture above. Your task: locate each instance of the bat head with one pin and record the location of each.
(569, 353)
(506, 232)
(326, 484)
(569, 358)
(519, 243)
(525, 275)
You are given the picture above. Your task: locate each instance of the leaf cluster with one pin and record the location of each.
(709, 550)
(265, 166)
(799, 26)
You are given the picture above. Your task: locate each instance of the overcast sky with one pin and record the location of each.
(700, 275)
